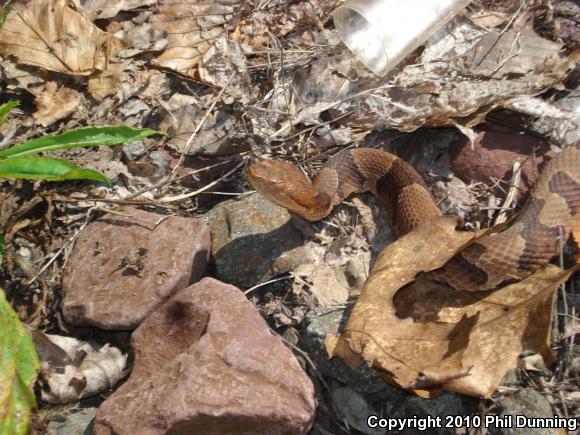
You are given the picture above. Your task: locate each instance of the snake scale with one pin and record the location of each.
(497, 258)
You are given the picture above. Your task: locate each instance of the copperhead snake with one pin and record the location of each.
(497, 258)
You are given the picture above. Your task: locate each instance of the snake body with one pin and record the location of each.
(500, 257)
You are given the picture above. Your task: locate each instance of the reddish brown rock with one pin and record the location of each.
(206, 363)
(123, 267)
(493, 156)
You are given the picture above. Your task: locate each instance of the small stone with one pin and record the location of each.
(528, 403)
(355, 410)
(206, 362)
(123, 267)
(444, 405)
(253, 240)
(325, 321)
(134, 149)
(78, 423)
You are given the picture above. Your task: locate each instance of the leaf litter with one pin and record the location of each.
(288, 83)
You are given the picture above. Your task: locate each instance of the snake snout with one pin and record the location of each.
(282, 183)
(266, 178)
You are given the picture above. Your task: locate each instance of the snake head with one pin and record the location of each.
(284, 184)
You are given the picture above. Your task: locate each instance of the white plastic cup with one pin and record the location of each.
(381, 33)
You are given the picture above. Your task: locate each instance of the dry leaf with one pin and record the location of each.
(19, 77)
(72, 369)
(140, 38)
(54, 36)
(107, 82)
(327, 284)
(488, 18)
(425, 93)
(54, 103)
(501, 54)
(109, 8)
(224, 65)
(215, 138)
(191, 29)
(532, 363)
(426, 337)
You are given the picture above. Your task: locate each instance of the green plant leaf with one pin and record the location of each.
(47, 168)
(6, 108)
(4, 12)
(18, 370)
(82, 137)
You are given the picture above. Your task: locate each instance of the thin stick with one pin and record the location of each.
(200, 125)
(251, 289)
(169, 180)
(75, 199)
(289, 125)
(512, 193)
(62, 248)
(167, 199)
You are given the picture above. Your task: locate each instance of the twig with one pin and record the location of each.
(167, 199)
(289, 124)
(200, 125)
(63, 247)
(566, 359)
(251, 289)
(75, 199)
(512, 193)
(500, 65)
(169, 180)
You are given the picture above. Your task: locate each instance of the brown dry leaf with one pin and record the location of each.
(217, 136)
(19, 76)
(54, 36)
(109, 8)
(427, 337)
(106, 83)
(9, 204)
(488, 18)
(179, 121)
(138, 37)
(224, 65)
(128, 79)
(532, 363)
(73, 369)
(327, 284)
(54, 103)
(514, 52)
(191, 29)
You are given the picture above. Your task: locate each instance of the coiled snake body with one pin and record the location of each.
(490, 261)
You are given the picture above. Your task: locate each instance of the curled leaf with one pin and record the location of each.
(426, 337)
(73, 369)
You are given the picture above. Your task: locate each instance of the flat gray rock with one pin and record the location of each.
(76, 423)
(123, 267)
(253, 240)
(207, 363)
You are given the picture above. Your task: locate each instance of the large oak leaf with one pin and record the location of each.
(425, 337)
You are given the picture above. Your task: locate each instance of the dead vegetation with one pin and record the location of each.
(230, 81)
